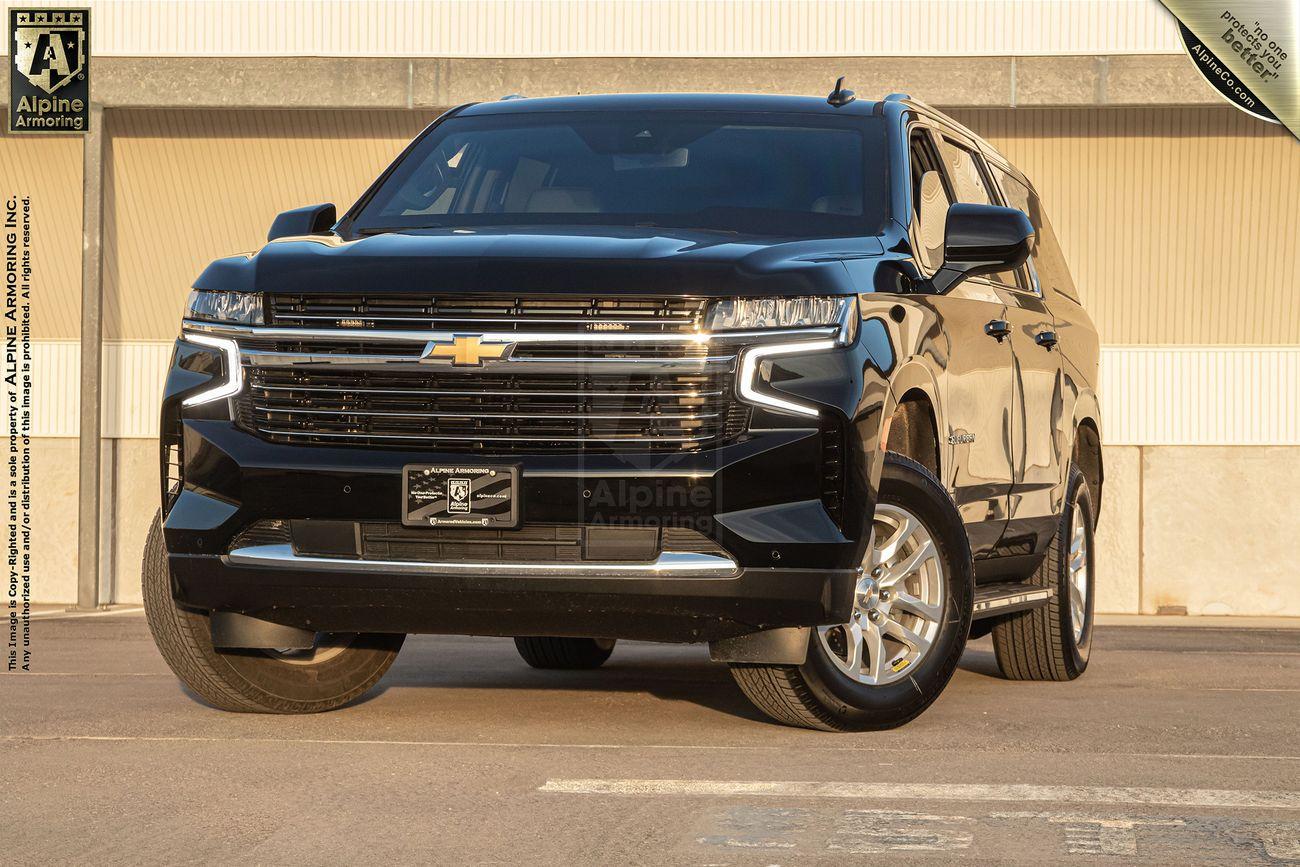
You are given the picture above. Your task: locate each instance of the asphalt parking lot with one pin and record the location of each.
(1178, 745)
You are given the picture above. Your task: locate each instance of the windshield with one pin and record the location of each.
(793, 175)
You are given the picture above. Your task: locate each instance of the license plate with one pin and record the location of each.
(469, 495)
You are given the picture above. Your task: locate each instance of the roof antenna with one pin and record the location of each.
(839, 96)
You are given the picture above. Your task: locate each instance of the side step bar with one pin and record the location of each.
(993, 600)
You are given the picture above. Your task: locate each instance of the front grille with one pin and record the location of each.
(414, 311)
(661, 393)
(454, 411)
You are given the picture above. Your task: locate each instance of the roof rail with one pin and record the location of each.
(898, 97)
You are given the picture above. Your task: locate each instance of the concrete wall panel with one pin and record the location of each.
(134, 500)
(1118, 540)
(1219, 527)
(54, 520)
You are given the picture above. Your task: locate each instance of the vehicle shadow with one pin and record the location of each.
(678, 673)
(979, 659)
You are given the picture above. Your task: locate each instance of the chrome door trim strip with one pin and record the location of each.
(669, 564)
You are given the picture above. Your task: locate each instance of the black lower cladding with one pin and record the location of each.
(653, 609)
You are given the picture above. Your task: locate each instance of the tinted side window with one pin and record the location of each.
(1049, 263)
(929, 202)
(964, 172)
(970, 184)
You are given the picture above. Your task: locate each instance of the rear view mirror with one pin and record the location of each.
(982, 239)
(311, 220)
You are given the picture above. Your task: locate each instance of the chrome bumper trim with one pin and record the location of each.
(669, 564)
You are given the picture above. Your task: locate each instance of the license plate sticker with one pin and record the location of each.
(455, 495)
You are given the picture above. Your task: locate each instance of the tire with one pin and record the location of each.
(820, 694)
(1043, 643)
(564, 653)
(339, 670)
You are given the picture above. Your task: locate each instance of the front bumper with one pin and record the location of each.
(664, 608)
(759, 497)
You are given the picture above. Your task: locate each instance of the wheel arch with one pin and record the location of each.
(1086, 449)
(913, 417)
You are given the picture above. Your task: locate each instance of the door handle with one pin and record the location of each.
(1046, 339)
(998, 329)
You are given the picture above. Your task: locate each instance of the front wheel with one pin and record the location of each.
(337, 670)
(911, 615)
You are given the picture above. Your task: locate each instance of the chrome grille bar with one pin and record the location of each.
(578, 374)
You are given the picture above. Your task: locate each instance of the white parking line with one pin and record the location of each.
(934, 792)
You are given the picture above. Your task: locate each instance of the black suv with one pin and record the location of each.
(806, 379)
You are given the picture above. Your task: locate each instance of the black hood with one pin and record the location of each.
(596, 260)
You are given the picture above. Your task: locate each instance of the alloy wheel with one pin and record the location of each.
(898, 603)
(1078, 574)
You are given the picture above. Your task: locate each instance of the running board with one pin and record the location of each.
(992, 600)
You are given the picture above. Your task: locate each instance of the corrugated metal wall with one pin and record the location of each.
(630, 28)
(48, 170)
(1180, 225)
(185, 187)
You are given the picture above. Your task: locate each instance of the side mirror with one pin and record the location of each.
(311, 220)
(982, 239)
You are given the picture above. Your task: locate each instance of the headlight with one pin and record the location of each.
(754, 314)
(241, 308)
(231, 381)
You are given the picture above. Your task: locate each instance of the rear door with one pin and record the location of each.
(977, 385)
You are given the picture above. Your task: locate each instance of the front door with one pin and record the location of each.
(975, 444)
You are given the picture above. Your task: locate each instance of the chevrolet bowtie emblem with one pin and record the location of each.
(466, 351)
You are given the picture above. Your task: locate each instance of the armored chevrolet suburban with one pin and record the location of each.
(804, 379)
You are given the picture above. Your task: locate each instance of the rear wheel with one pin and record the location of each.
(911, 614)
(564, 653)
(1053, 642)
(337, 670)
